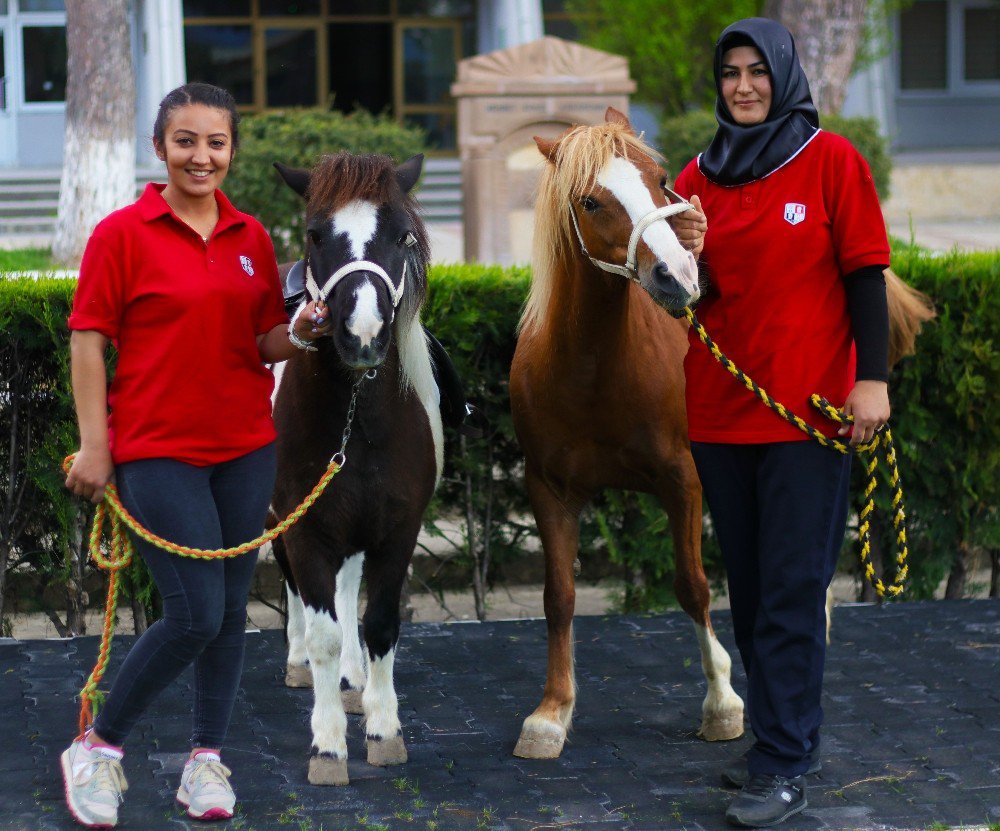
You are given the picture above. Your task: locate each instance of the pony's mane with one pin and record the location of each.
(579, 157)
(343, 177)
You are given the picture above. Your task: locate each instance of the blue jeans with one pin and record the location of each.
(204, 601)
(779, 512)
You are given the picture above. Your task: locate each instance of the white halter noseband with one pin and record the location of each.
(628, 270)
(315, 292)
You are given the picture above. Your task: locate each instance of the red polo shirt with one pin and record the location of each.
(184, 316)
(777, 250)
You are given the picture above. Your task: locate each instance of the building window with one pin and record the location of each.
(44, 49)
(291, 67)
(950, 46)
(221, 55)
(43, 5)
(923, 46)
(982, 44)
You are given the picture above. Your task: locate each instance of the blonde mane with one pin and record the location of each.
(579, 157)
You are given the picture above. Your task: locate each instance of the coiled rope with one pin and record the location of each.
(121, 550)
(882, 439)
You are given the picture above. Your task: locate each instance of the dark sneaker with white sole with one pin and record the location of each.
(734, 775)
(766, 800)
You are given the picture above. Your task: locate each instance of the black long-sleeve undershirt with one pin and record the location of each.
(869, 311)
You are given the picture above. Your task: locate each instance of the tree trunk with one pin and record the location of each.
(98, 174)
(827, 35)
(995, 573)
(955, 590)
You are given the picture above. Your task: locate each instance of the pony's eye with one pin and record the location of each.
(589, 204)
(314, 236)
(408, 240)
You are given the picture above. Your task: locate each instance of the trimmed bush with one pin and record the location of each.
(945, 403)
(683, 137)
(298, 138)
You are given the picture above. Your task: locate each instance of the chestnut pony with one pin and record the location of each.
(597, 391)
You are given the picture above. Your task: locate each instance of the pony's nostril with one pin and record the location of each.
(662, 278)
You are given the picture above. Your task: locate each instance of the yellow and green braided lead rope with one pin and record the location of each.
(882, 439)
(121, 551)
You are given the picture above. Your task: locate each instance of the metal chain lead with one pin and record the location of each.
(340, 457)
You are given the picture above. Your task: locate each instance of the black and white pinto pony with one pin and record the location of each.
(366, 256)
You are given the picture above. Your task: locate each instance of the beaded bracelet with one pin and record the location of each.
(298, 342)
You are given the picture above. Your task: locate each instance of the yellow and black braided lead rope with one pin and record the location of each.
(882, 439)
(122, 550)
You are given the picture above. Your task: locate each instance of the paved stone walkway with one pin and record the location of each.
(912, 736)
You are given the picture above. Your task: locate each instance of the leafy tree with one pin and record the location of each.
(669, 43)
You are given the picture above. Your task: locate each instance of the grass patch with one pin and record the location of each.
(26, 259)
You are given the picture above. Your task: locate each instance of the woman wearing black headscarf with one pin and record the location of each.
(795, 249)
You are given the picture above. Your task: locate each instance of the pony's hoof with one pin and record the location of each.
(385, 752)
(540, 739)
(328, 770)
(298, 675)
(351, 700)
(721, 727)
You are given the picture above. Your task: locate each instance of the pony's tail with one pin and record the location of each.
(909, 309)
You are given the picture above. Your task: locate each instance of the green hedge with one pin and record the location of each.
(298, 138)
(945, 400)
(683, 137)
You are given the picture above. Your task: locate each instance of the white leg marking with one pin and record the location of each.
(721, 701)
(329, 722)
(623, 179)
(357, 219)
(352, 658)
(296, 628)
(379, 699)
(365, 321)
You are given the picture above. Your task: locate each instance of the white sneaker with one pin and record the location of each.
(94, 783)
(205, 789)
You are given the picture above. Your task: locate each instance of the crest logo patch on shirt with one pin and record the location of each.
(795, 212)
(247, 263)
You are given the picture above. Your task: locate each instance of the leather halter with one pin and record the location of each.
(629, 270)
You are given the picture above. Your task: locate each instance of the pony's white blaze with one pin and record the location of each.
(329, 722)
(365, 321)
(623, 179)
(345, 602)
(358, 220)
(379, 699)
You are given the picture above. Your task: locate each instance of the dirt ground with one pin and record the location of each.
(503, 603)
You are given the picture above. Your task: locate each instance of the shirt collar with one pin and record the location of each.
(152, 206)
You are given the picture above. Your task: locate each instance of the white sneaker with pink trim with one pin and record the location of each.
(205, 789)
(94, 784)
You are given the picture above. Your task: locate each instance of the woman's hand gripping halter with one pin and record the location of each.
(314, 292)
(629, 270)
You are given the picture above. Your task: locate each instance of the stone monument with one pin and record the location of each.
(505, 98)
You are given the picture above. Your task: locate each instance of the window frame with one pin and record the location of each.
(31, 20)
(955, 83)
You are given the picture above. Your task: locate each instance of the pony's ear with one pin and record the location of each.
(296, 179)
(409, 171)
(547, 147)
(613, 116)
